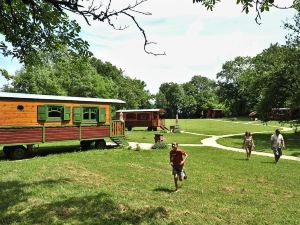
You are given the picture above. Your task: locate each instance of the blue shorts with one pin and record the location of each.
(178, 170)
(277, 151)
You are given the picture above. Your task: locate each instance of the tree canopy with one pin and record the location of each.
(63, 73)
(259, 5)
(30, 26)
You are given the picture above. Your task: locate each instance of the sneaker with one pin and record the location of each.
(184, 175)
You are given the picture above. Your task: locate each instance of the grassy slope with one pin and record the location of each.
(262, 143)
(219, 127)
(130, 187)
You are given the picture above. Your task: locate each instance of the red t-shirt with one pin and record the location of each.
(176, 156)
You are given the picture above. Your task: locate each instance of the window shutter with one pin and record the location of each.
(67, 112)
(42, 112)
(77, 114)
(102, 115)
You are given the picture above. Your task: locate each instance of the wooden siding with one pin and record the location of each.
(138, 123)
(20, 135)
(11, 116)
(90, 132)
(62, 133)
(152, 121)
(117, 128)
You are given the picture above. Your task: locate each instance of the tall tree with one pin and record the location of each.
(229, 84)
(173, 95)
(204, 91)
(61, 73)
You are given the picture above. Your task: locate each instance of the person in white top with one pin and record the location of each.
(277, 144)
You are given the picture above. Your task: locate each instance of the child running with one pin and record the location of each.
(177, 159)
(248, 144)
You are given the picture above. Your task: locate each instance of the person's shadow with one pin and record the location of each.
(163, 189)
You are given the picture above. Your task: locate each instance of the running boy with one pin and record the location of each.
(177, 159)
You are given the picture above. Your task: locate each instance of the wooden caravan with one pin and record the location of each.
(215, 113)
(150, 118)
(28, 119)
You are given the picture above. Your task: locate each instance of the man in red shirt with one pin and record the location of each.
(177, 159)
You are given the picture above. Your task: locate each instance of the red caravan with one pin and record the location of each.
(150, 118)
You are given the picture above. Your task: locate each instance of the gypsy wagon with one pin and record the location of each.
(150, 118)
(28, 119)
(215, 113)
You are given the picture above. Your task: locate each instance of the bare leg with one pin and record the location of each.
(176, 182)
(247, 152)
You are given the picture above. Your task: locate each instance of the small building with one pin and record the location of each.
(282, 114)
(215, 113)
(28, 119)
(150, 118)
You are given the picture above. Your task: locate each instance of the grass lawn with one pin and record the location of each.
(262, 143)
(136, 187)
(142, 136)
(220, 126)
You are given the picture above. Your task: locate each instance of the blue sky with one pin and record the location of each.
(196, 41)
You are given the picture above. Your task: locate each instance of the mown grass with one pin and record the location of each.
(220, 126)
(262, 143)
(142, 136)
(136, 187)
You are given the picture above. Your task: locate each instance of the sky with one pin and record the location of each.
(196, 41)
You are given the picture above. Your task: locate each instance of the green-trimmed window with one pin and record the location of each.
(53, 113)
(89, 114)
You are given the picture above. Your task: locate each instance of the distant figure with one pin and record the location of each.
(248, 144)
(277, 144)
(177, 159)
(121, 116)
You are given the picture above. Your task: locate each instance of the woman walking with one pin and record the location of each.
(248, 144)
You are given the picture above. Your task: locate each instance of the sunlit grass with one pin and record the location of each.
(136, 187)
(220, 126)
(142, 136)
(262, 143)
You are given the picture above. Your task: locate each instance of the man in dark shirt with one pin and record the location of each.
(177, 159)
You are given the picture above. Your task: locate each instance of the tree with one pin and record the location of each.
(173, 95)
(259, 5)
(61, 73)
(293, 38)
(130, 90)
(278, 68)
(229, 79)
(203, 91)
(34, 25)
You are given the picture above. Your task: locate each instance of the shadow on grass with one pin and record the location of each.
(48, 150)
(93, 209)
(163, 189)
